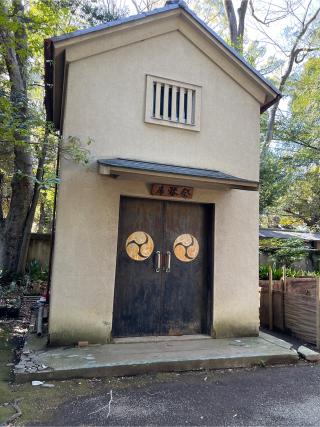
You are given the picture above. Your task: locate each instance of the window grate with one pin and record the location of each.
(167, 105)
(172, 103)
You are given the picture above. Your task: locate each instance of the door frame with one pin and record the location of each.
(210, 254)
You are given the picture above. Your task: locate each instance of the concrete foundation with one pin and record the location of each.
(159, 355)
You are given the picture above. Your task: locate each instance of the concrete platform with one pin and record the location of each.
(131, 358)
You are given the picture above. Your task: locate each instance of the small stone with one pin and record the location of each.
(19, 367)
(35, 383)
(83, 343)
(310, 355)
(42, 367)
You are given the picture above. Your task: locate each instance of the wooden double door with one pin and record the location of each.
(163, 274)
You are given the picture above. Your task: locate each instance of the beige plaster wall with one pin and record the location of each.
(105, 101)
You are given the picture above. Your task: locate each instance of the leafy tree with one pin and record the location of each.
(28, 144)
(303, 199)
(95, 12)
(300, 130)
(302, 125)
(274, 180)
(284, 252)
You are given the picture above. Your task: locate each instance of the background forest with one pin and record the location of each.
(280, 38)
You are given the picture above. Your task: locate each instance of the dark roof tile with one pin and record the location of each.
(177, 170)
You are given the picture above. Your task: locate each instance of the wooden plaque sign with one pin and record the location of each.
(168, 190)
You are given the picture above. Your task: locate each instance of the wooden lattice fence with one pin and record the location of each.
(292, 304)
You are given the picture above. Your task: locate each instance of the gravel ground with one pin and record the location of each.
(275, 396)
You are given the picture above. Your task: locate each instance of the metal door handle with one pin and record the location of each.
(168, 266)
(158, 261)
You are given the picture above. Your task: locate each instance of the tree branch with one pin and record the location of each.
(262, 21)
(305, 51)
(135, 4)
(303, 144)
(285, 76)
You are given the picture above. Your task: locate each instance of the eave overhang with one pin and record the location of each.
(56, 66)
(150, 172)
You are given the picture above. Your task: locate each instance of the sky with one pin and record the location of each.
(273, 29)
(281, 21)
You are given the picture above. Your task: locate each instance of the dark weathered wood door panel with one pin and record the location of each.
(137, 285)
(185, 295)
(175, 300)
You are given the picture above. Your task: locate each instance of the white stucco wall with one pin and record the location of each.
(105, 101)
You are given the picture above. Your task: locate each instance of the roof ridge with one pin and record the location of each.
(170, 5)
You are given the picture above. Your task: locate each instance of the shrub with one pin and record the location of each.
(290, 272)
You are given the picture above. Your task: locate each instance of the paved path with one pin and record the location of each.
(272, 396)
(162, 354)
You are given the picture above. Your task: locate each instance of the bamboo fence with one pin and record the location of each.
(292, 304)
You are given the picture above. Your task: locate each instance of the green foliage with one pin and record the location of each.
(75, 149)
(264, 272)
(253, 52)
(36, 271)
(26, 29)
(294, 190)
(94, 12)
(24, 26)
(12, 284)
(284, 252)
(277, 273)
(303, 198)
(305, 106)
(274, 180)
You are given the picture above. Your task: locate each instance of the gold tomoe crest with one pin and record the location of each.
(186, 247)
(139, 246)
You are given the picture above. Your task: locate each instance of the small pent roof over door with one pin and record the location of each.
(150, 172)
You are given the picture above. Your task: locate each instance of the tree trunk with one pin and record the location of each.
(236, 28)
(232, 21)
(1, 217)
(42, 218)
(31, 212)
(22, 189)
(12, 228)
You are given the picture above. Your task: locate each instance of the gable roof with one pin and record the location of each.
(171, 5)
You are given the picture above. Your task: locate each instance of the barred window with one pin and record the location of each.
(172, 103)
